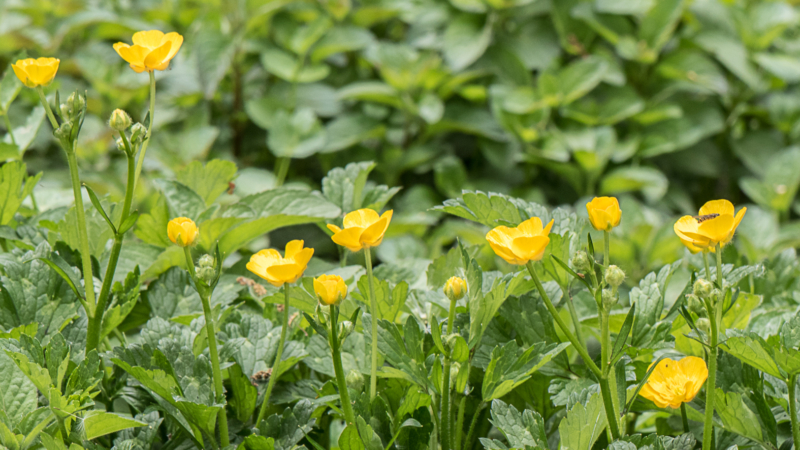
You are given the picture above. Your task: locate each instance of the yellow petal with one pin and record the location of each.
(155, 58)
(373, 235)
(288, 273)
(361, 218)
(717, 229)
(349, 238)
(721, 207)
(696, 373)
(176, 40)
(292, 247)
(23, 76)
(134, 55)
(547, 228)
(334, 228)
(531, 227)
(530, 248)
(151, 39)
(302, 257)
(503, 236)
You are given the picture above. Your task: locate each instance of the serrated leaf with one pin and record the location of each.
(208, 180)
(510, 366)
(583, 424)
(15, 186)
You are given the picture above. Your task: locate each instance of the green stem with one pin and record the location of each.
(373, 310)
(684, 418)
(473, 424)
(457, 432)
(708, 424)
(276, 366)
(606, 250)
(705, 263)
(8, 128)
(212, 349)
(573, 313)
(47, 109)
(149, 126)
(719, 267)
(344, 395)
(83, 237)
(282, 168)
(793, 410)
(95, 326)
(445, 421)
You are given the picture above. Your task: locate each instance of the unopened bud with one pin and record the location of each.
(64, 132)
(73, 106)
(138, 133)
(580, 261)
(614, 276)
(455, 288)
(206, 273)
(119, 120)
(703, 288)
(345, 328)
(206, 261)
(121, 145)
(695, 305)
(609, 299)
(704, 325)
(354, 380)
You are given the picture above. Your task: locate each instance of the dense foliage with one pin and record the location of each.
(261, 123)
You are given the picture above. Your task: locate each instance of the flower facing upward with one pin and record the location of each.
(675, 382)
(362, 229)
(269, 265)
(151, 50)
(36, 72)
(524, 243)
(604, 213)
(330, 289)
(715, 225)
(182, 231)
(455, 288)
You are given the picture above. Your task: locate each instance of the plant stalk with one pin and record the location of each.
(8, 128)
(149, 126)
(446, 422)
(793, 410)
(373, 310)
(708, 423)
(344, 395)
(282, 168)
(606, 250)
(473, 424)
(212, 349)
(276, 366)
(684, 418)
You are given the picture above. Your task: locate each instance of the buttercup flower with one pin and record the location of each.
(715, 224)
(269, 265)
(455, 288)
(604, 213)
(330, 289)
(151, 50)
(182, 231)
(524, 243)
(675, 382)
(362, 229)
(36, 72)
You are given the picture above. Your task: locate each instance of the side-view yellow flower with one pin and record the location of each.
(675, 382)
(604, 213)
(362, 229)
(524, 243)
(330, 289)
(715, 224)
(151, 50)
(182, 231)
(36, 72)
(276, 269)
(455, 288)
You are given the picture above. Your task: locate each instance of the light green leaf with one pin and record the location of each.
(209, 180)
(736, 416)
(583, 424)
(753, 350)
(100, 423)
(15, 186)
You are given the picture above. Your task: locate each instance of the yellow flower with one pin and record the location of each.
(330, 289)
(714, 225)
(36, 72)
(362, 229)
(269, 265)
(182, 231)
(524, 243)
(604, 213)
(455, 288)
(151, 50)
(675, 382)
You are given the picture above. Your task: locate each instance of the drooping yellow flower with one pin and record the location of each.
(362, 229)
(715, 224)
(524, 243)
(330, 289)
(151, 50)
(36, 72)
(269, 265)
(455, 288)
(604, 213)
(182, 231)
(675, 382)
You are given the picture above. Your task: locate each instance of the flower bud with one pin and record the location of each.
(704, 325)
(206, 261)
(455, 288)
(206, 273)
(330, 289)
(73, 106)
(345, 328)
(119, 120)
(138, 133)
(695, 305)
(614, 276)
(64, 132)
(182, 231)
(703, 288)
(354, 380)
(121, 145)
(609, 299)
(580, 261)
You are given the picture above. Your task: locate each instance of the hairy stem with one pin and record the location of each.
(344, 395)
(373, 310)
(149, 126)
(277, 365)
(83, 236)
(473, 424)
(793, 410)
(708, 423)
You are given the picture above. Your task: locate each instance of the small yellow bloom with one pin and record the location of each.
(604, 213)
(362, 229)
(269, 265)
(36, 72)
(675, 382)
(715, 224)
(151, 50)
(524, 243)
(330, 289)
(182, 231)
(455, 288)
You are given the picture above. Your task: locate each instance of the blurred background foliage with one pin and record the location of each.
(664, 103)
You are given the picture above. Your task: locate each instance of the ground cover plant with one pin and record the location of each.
(328, 225)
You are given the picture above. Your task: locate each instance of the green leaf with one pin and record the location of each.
(659, 23)
(181, 199)
(25, 134)
(510, 366)
(736, 416)
(291, 426)
(350, 439)
(579, 78)
(99, 208)
(466, 39)
(209, 181)
(18, 396)
(389, 301)
(245, 395)
(344, 187)
(100, 423)
(371, 91)
(10, 86)
(15, 186)
(405, 356)
(583, 424)
(125, 297)
(215, 52)
(522, 429)
(340, 39)
(259, 345)
(348, 130)
(152, 228)
(296, 135)
(753, 350)
(413, 399)
(650, 181)
(287, 67)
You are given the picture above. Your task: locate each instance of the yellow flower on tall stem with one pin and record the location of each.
(182, 231)
(673, 383)
(604, 213)
(151, 50)
(715, 224)
(330, 289)
(526, 242)
(36, 72)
